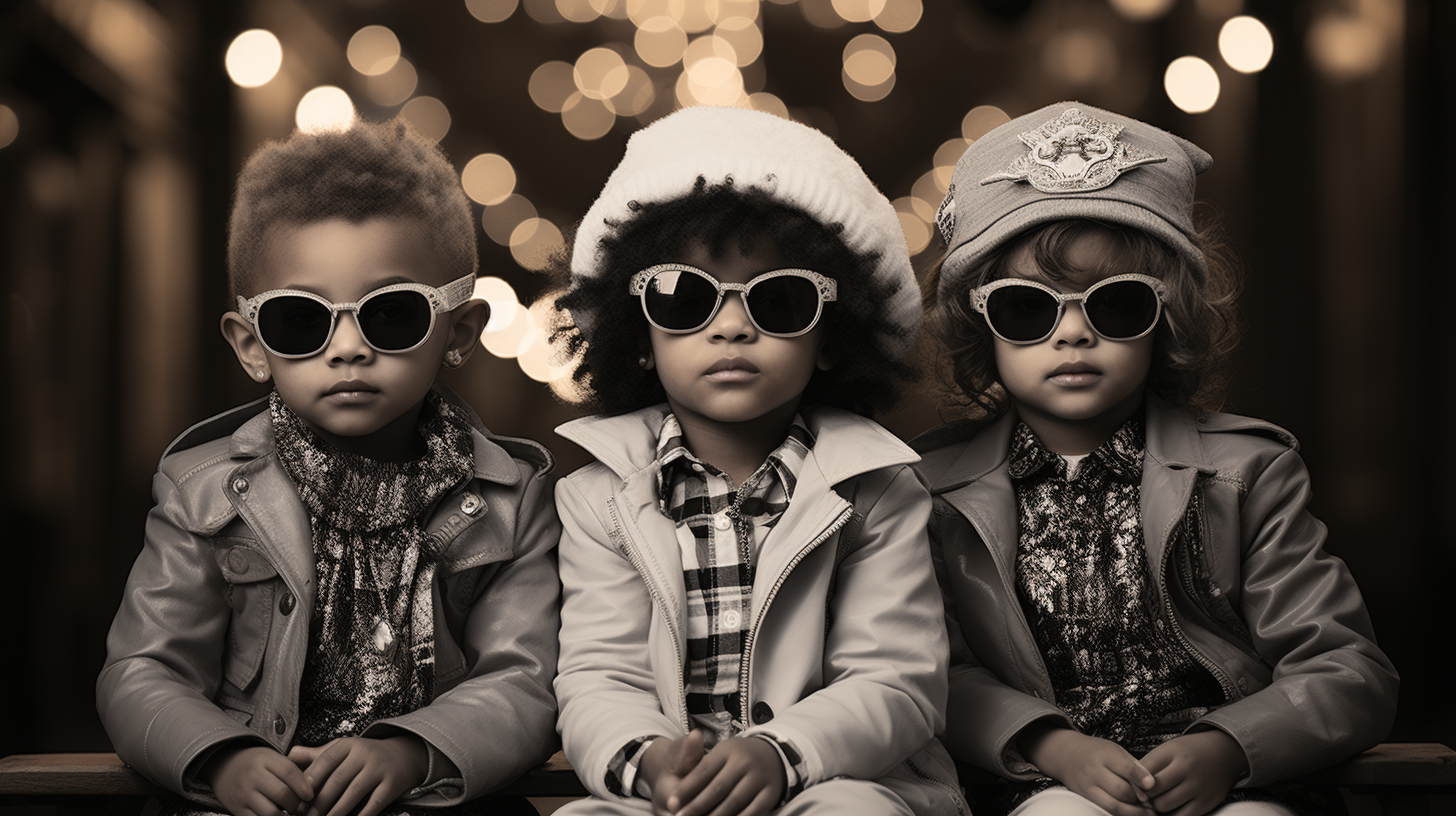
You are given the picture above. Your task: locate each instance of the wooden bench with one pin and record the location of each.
(1405, 779)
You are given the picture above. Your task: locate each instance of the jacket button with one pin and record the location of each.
(237, 562)
(762, 713)
(286, 604)
(240, 485)
(470, 504)
(279, 726)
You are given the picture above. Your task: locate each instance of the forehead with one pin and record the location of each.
(1082, 260)
(733, 264)
(344, 259)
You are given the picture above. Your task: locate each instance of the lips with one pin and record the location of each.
(732, 364)
(1075, 368)
(350, 387)
(1075, 375)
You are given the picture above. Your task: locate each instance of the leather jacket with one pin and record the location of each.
(847, 654)
(209, 644)
(1280, 622)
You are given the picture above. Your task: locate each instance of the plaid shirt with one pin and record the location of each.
(720, 529)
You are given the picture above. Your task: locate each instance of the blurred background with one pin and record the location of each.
(124, 122)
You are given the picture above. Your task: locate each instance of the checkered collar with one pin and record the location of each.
(1121, 455)
(674, 460)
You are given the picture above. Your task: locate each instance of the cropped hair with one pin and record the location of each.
(369, 170)
(605, 325)
(1192, 343)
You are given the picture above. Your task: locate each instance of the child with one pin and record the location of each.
(750, 620)
(347, 594)
(1142, 615)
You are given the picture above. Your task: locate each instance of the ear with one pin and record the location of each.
(467, 322)
(647, 361)
(826, 359)
(251, 355)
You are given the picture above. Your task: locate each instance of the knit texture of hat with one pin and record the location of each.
(1069, 160)
(791, 163)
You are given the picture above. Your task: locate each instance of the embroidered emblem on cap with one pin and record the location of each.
(945, 214)
(1074, 153)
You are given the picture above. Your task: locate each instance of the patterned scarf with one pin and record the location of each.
(372, 640)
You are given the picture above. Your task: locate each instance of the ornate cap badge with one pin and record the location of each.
(1074, 153)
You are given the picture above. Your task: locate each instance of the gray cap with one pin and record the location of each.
(1069, 160)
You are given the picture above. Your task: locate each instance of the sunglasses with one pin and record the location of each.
(681, 299)
(1021, 311)
(393, 319)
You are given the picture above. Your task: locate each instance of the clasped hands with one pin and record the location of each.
(330, 780)
(742, 776)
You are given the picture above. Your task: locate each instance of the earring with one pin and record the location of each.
(642, 361)
(261, 375)
(454, 359)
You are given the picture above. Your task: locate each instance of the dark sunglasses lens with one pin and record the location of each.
(679, 301)
(786, 304)
(294, 325)
(395, 321)
(1021, 314)
(1122, 309)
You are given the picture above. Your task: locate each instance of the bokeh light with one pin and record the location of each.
(1081, 57)
(394, 86)
(859, 11)
(744, 37)
(1344, 46)
(869, 67)
(551, 84)
(500, 220)
(821, 13)
(507, 328)
(768, 103)
(491, 11)
(586, 118)
(899, 16)
(577, 11)
(326, 107)
(501, 297)
(9, 126)
(253, 58)
(1141, 10)
(981, 120)
(600, 73)
(534, 241)
(488, 178)
(917, 231)
(1246, 44)
(1191, 84)
(373, 50)
(660, 42)
(428, 115)
(637, 96)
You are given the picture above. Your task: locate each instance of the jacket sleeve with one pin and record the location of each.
(983, 714)
(1333, 690)
(606, 687)
(500, 721)
(164, 654)
(885, 652)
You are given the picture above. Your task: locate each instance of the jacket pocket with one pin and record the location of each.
(252, 585)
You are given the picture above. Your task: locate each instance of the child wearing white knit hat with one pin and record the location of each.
(1141, 613)
(750, 617)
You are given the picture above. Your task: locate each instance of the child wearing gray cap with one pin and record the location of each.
(750, 620)
(1141, 612)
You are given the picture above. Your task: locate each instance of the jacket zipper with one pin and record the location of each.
(951, 791)
(1230, 693)
(743, 671)
(626, 546)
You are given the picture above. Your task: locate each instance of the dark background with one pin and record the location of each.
(1334, 187)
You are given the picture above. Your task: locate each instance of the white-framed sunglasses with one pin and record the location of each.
(681, 299)
(1022, 312)
(393, 319)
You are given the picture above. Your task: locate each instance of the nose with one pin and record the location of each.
(731, 323)
(1074, 330)
(347, 345)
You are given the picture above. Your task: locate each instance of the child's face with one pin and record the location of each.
(1075, 388)
(729, 371)
(355, 397)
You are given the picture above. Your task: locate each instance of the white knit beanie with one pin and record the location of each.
(1069, 160)
(791, 163)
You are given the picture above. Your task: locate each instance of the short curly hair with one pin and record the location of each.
(605, 325)
(1192, 343)
(372, 169)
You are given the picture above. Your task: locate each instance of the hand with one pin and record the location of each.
(1195, 772)
(256, 781)
(355, 770)
(743, 775)
(1096, 769)
(664, 764)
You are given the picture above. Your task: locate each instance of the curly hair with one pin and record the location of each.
(1191, 344)
(366, 171)
(605, 326)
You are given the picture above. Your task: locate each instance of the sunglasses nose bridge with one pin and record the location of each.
(732, 320)
(348, 342)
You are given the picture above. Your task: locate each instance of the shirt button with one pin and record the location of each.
(240, 485)
(762, 713)
(470, 504)
(279, 726)
(722, 522)
(731, 619)
(286, 604)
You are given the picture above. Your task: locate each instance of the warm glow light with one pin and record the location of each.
(551, 85)
(1345, 47)
(1141, 10)
(869, 60)
(577, 11)
(1246, 44)
(543, 11)
(637, 97)
(713, 81)
(660, 42)
(917, 232)
(821, 13)
(500, 296)
(745, 38)
(859, 11)
(586, 118)
(491, 11)
(534, 241)
(615, 9)
(981, 120)
(9, 126)
(729, 10)
(600, 73)
(395, 85)
(253, 58)
(950, 152)
(698, 16)
(929, 188)
(1191, 84)
(500, 220)
(373, 50)
(504, 339)
(324, 108)
(899, 16)
(640, 11)
(709, 47)
(769, 103)
(429, 116)
(1080, 56)
(488, 178)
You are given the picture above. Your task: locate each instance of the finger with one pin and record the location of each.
(689, 752)
(711, 798)
(325, 763)
(293, 777)
(304, 755)
(1116, 807)
(378, 801)
(361, 787)
(334, 788)
(737, 799)
(1174, 798)
(691, 786)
